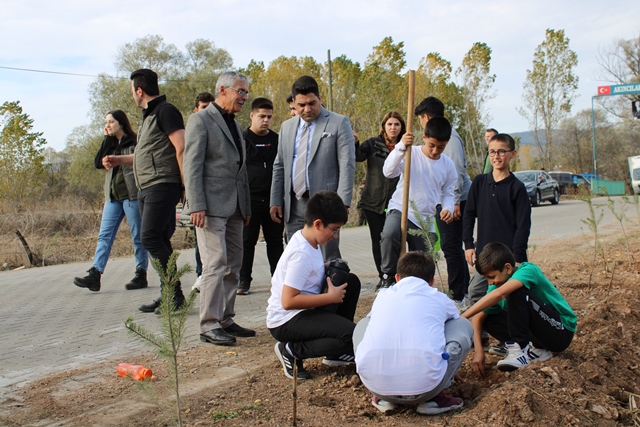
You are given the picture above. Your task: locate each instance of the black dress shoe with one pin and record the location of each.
(217, 336)
(150, 308)
(179, 303)
(238, 331)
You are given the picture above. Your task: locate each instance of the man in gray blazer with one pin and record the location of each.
(217, 193)
(315, 152)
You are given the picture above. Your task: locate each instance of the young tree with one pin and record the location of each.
(549, 91)
(476, 84)
(22, 169)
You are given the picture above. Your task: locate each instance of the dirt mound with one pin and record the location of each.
(587, 385)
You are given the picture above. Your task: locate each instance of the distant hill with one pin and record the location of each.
(527, 138)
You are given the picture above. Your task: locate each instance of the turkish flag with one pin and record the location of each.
(604, 90)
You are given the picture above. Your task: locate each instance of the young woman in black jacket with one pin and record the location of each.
(121, 199)
(377, 188)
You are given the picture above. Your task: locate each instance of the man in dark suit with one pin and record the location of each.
(315, 152)
(217, 192)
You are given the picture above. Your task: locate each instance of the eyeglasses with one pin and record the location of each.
(335, 232)
(241, 92)
(499, 153)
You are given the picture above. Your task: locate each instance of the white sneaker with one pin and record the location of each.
(517, 357)
(382, 405)
(197, 284)
(536, 354)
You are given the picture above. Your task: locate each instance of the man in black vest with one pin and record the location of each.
(157, 166)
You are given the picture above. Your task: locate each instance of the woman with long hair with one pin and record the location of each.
(378, 189)
(121, 199)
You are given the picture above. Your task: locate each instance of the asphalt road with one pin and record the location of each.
(48, 325)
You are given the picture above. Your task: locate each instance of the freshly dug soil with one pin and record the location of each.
(587, 385)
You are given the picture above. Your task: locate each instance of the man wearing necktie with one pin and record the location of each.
(315, 152)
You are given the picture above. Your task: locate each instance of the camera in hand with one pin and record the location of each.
(338, 271)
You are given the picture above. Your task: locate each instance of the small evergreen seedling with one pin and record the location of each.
(173, 323)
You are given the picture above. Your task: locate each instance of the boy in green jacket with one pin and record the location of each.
(522, 308)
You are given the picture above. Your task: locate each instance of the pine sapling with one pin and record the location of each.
(425, 224)
(172, 322)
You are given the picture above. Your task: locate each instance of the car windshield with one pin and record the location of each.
(526, 176)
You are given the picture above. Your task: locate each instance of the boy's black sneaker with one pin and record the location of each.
(91, 281)
(287, 362)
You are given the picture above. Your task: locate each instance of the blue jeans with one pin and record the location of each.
(112, 216)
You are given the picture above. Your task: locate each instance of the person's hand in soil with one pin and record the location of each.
(478, 362)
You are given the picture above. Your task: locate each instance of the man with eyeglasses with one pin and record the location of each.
(316, 152)
(451, 233)
(218, 199)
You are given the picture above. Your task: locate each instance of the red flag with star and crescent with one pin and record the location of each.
(604, 90)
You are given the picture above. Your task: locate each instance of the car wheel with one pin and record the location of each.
(537, 199)
(556, 197)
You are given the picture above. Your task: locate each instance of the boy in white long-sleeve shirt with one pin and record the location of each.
(432, 181)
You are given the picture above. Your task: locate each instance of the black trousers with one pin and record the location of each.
(272, 232)
(158, 220)
(451, 244)
(323, 331)
(376, 224)
(529, 319)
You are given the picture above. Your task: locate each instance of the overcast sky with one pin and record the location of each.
(81, 36)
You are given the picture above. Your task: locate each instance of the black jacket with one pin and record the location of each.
(503, 211)
(378, 189)
(110, 147)
(261, 153)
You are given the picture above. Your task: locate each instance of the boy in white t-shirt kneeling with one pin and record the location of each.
(306, 320)
(413, 341)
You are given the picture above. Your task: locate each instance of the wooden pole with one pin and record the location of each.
(407, 165)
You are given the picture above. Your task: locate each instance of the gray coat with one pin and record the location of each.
(332, 159)
(215, 173)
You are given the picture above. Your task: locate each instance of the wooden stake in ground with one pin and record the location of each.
(295, 392)
(407, 166)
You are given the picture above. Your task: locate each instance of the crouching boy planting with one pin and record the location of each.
(413, 342)
(306, 321)
(521, 308)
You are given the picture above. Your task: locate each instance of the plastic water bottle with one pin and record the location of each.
(451, 350)
(136, 372)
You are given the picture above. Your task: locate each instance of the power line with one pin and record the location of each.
(47, 72)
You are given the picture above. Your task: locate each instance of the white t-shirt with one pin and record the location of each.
(432, 182)
(301, 266)
(401, 351)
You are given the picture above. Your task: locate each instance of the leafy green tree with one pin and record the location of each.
(476, 85)
(433, 78)
(381, 87)
(182, 75)
(83, 178)
(345, 76)
(275, 82)
(549, 90)
(22, 170)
